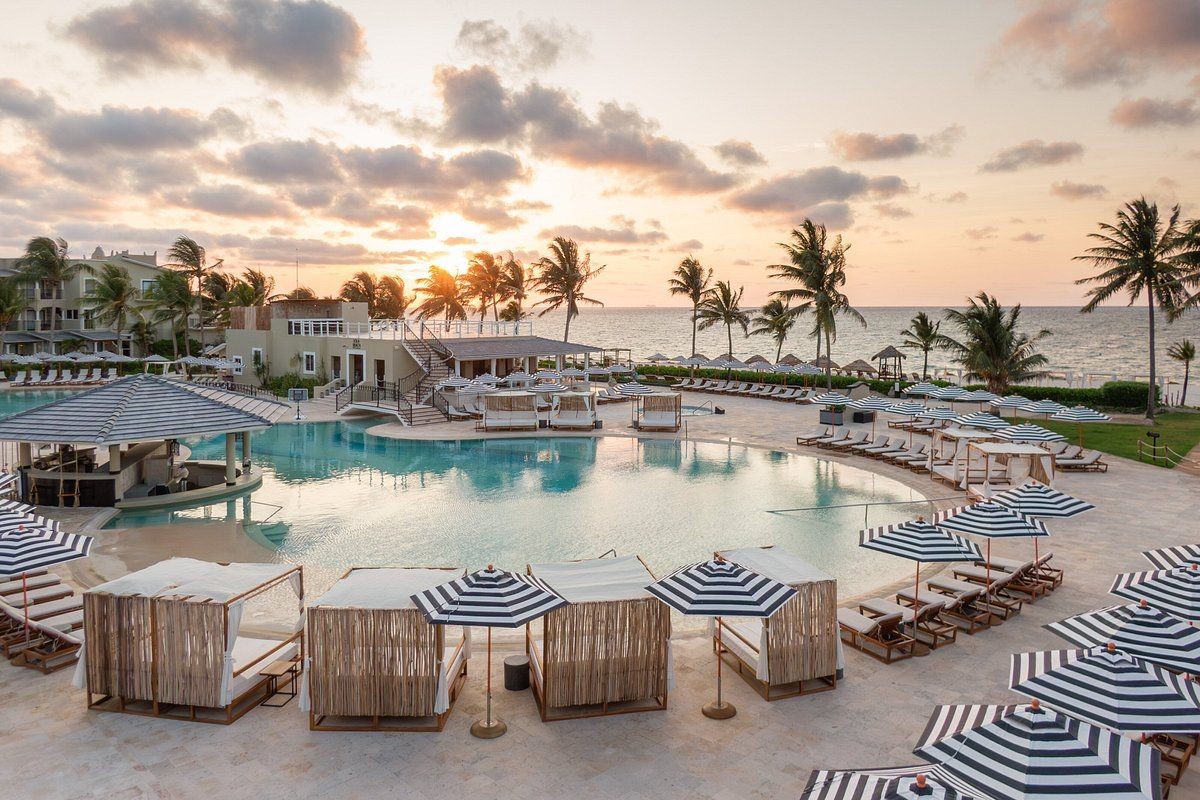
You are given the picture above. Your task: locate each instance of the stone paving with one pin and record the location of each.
(52, 747)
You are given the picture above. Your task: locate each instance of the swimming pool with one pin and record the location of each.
(14, 401)
(334, 497)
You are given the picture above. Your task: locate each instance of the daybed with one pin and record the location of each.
(509, 410)
(660, 412)
(573, 410)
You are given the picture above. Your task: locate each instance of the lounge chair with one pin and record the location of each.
(962, 605)
(35, 378)
(686, 383)
(760, 390)
(110, 375)
(1071, 451)
(854, 438)
(1088, 462)
(1022, 579)
(49, 649)
(994, 597)
(903, 457)
(926, 625)
(1056, 448)
(13, 638)
(50, 608)
(872, 446)
(51, 377)
(19, 378)
(32, 582)
(881, 636)
(736, 388)
(897, 445)
(805, 396)
(1039, 569)
(51, 592)
(82, 376)
(838, 436)
(811, 436)
(782, 393)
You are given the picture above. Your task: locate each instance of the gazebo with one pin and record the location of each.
(859, 367)
(118, 444)
(889, 359)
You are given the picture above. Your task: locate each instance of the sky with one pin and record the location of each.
(958, 146)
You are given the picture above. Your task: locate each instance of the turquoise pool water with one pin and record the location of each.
(334, 497)
(14, 401)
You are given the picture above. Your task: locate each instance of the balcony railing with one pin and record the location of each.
(401, 328)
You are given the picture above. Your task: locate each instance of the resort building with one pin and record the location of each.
(337, 340)
(54, 320)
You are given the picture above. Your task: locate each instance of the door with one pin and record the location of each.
(335, 366)
(380, 372)
(358, 368)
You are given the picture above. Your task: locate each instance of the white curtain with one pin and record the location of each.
(233, 625)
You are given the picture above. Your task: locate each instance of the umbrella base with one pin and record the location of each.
(718, 710)
(481, 730)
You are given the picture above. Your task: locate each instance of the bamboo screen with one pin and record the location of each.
(804, 634)
(372, 662)
(509, 402)
(606, 652)
(661, 403)
(573, 402)
(119, 646)
(191, 651)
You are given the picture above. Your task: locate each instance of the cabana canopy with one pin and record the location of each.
(888, 352)
(141, 408)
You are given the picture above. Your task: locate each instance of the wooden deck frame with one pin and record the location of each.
(380, 723)
(822, 594)
(145, 662)
(652, 611)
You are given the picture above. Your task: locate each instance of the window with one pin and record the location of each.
(147, 285)
(71, 313)
(256, 355)
(89, 285)
(310, 363)
(238, 364)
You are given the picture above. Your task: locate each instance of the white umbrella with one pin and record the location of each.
(547, 375)
(923, 388)
(487, 377)
(520, 376)
(573, 372)
(620, 369)
(1080, 415)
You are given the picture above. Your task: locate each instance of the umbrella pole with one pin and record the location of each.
(719, 709)
(25, 601)
(489, 728)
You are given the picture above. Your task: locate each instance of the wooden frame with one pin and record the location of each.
(795, 637)
(885, 641)
(660, 403)
(336, 633)
(131, 641)
(622, 671)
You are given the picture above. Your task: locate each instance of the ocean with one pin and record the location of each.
(1109, 340)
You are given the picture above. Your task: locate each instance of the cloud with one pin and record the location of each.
(819, 193)
(298, 44)
(892, 210)
(875, 147)
(493, 216)
(1028, 236)
(1069, 190)
(479, 109)
(135, 130)
(988, 232)
(455, 241)
(1032, 153)
(954, 197)
(533, 47)
(739, 153)
(689, 245)
(21, 102)
(231, 200)
(288, 161)
(623, 232)
(1118, 41)
(1150, 112)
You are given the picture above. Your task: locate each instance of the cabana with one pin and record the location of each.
(661, 411)
(1018, 461)
(949, 458)
(573, 410)
(796, 651)
(375, 663)
(609, 651)
(859, 367)
(514, 410)
(889, 359)
(166, 641)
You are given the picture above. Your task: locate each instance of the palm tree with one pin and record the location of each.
(362, 288)
(562, 277)
(517, 285)
(723, 306)
(390, 297)
(115, 299)
(190, 259)
(484, 282)
(1183, 351)
(443, 295)
(775, 319)
(260, 284)
(989, 345)
(921, 334)
(691, 279)
(46, 264)
(141, 334)
(820, 271)
(299, 293)
(12, 302)
(170, 300)
(1143, 253)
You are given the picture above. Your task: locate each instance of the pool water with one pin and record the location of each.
(14, 401)
(333, 497)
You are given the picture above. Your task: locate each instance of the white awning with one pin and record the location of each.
(385, 587)
(597, 579)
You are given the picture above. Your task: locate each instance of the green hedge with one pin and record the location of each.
(1112, 396)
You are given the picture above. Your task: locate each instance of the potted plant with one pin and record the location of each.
(832, 415)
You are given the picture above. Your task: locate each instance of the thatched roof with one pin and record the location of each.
(790, 359)
(825, 361)
(858, 365)
(888, 352)
(754, 359)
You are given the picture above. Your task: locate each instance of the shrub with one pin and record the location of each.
(280, 384)
(1128, 395)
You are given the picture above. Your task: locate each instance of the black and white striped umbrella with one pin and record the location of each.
(1046, 407)
(1138, 629)
(1009, 401)
(1080, 414)
(1026, 752)
(1109, 687)
(1035, 499)
(831, 399)
(939, 413)
(978, 396)
(1028, 432)
(924, 388)
(26, 548)
(981, 419)
(871, 403)
(918, 782)
(490, 598)
(1171, 557)
(909, 408)
(989, 519)
(951, 393)
(919, 541)
(721, 589)
(1175, 591)
(11, 521)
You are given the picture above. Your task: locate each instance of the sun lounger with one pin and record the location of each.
(881, 637)
(879, 444)
(811, 436)
(64, 377)
(14, 638)
(855, 438)
(110, 375)
(902, 457)
(926, 625)
(1020, 580)
(32, 582)
(760, 390)
(51, 376)
(1088, 462)
(805, 396)
(783, 393)
(50, 608)
(82, 376)
(686, 383)
(1040, 569)
(835, 437)
(35, 378)
(1056, 448)
(1071, 451)
(994, 597)
(19, 378)
(49, 650)
(52, 592)
(895, 447)
(963, 603)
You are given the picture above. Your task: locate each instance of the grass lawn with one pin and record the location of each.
(1178, 430)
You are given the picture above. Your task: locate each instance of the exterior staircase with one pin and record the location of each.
(413, 399)
(438, 370)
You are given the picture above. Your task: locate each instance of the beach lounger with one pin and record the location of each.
(926, 625)
(81, 377)
(836, 437)
(1056, 448)
(1088, 462)
(35, 378)
(19, 378)
(811, 436)
(95, 377)
(64, 377)
(760, 390)
(1071, 451)
(50, 608)
(805, 396)
(896, 446)
(1021, 579)
(110, 374)
(902, 457)
(32, 582)
(1040, 569)
(881, 637)
(880, 443)
(962, 605)
(783, 393)
(51, 377)
(45, 593)
(14, 639)
(50, 650)
(686, 383)
(994, 596)
(854, 438)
